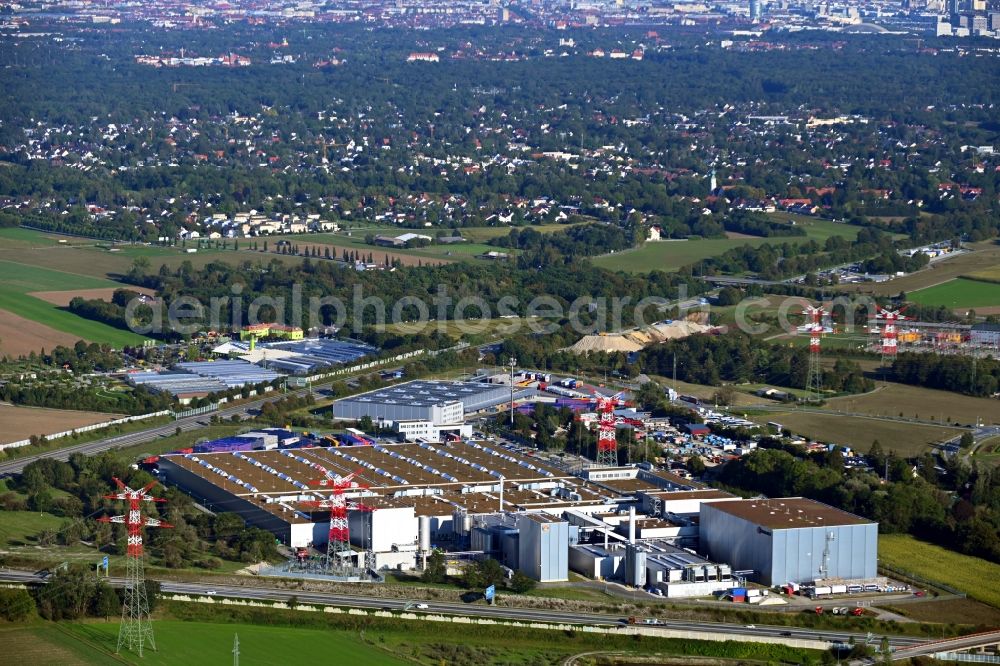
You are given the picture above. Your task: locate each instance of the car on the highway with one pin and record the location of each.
(421, 606)
(210, 593)
(786, 633)
(751, 626)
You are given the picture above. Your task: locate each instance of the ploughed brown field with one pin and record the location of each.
(23, 422)
(20, 336)
(62, 298)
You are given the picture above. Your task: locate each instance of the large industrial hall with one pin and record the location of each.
(639, 526)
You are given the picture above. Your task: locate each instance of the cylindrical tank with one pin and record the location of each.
(424, 525)
(458, 523)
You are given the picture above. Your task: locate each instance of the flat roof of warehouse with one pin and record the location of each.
(788, 513)
(673, 479)
(543, 518)
(425, 393)
(707, 493)
(628, 485)
(229, 372)
(385, 468)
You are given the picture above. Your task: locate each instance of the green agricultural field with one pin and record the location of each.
(922, 403)
(959, 293)
(17, 281)
(934, 563)
(23, 279)
(818, 229)
(197, 643)
(432, 642)
(100, 259)
(904, 438)
(672, 255)
(835, 341)
(50, 644)
(20, 238)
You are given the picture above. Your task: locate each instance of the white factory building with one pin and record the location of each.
(424, 409)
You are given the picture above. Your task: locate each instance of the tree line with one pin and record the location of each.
(75, 490)
(958, 509)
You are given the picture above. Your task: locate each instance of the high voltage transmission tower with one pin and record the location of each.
(607, 441)
(136, 629)
(339, 555)
(814, 380)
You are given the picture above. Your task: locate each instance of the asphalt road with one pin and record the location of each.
(495, 612)
(150, 434)
(947, 645)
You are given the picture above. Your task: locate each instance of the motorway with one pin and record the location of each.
(260, 592)
(142, 436)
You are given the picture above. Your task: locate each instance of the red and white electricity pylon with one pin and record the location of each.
(889, 333)
(338, 545)
(607, 441)
(814, 380)
(136, 629)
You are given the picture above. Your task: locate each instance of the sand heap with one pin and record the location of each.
(604, 343)
(635, 340)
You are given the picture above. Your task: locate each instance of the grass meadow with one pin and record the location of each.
(672, 255)
(959, 293)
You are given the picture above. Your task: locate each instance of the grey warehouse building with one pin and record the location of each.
(789, 540)
(543, 547)
(422, 400)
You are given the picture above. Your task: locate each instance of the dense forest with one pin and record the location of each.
(961, 374)
(567, 246)
(439, 289)
(738, 358)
